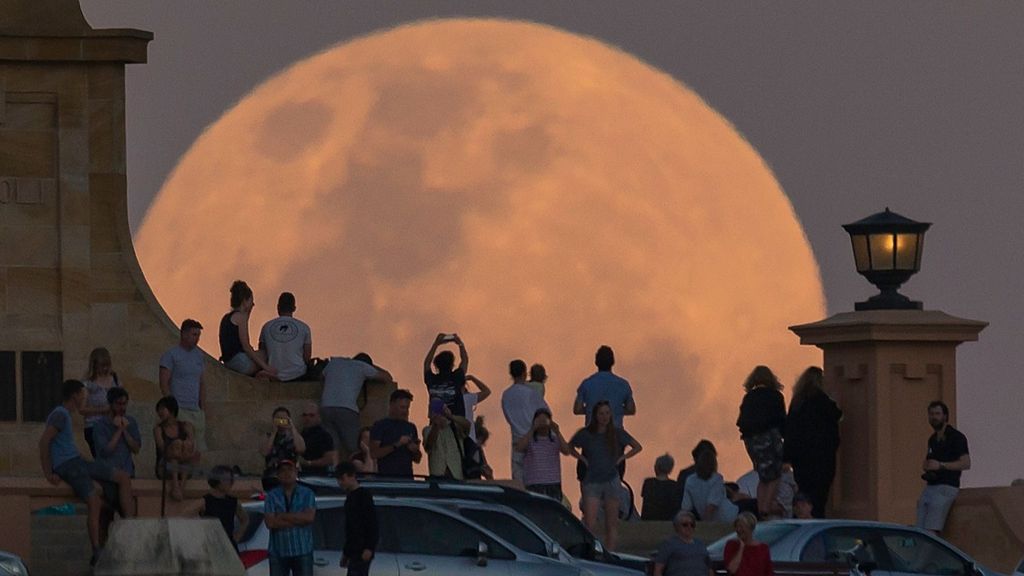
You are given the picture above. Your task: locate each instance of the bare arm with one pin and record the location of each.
(659, 569)
(243, 335)
(430, 353)
(44, 454)
(630, 408)
(463, 355)
(563, 446)
(158, 439)
(485, 390)
(383, 375)
(202, 390)
(578, 407)
(243, 521)
(523, 444)
(165, 381)
(298, 441)
(634, 449)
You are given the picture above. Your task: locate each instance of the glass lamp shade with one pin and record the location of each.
(887, 250)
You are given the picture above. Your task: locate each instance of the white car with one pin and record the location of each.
(884, 549)
(522, 533)
(416, 539)
(11, 565)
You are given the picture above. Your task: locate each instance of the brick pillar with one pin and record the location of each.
(883, 367)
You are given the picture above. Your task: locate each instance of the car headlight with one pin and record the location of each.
(12, 567)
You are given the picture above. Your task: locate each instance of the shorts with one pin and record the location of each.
(80, 474)
(517, 463)
(242, 364)
(343, 425)
(765, 451)
(603, 491)
(197, 418)
(549, 490)
(934, 504)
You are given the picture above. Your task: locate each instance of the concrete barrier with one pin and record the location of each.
(158, 546)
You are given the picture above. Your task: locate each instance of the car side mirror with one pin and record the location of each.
(481, 553)
(554, 550)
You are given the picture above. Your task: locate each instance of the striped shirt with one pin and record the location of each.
(297, 540)
(542, 462)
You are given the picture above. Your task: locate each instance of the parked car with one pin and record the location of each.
(11, 565)
(416, 538)
(548, 514)
(519, 531)
(878, 547)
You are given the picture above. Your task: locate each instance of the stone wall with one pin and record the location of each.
(69, 278)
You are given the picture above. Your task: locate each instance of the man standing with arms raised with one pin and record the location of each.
(181, 376)
(286, 342)
(947, 458)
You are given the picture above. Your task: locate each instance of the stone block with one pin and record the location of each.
(74, 250)
(106, 82)
(33, 291)
(168, 546)
(29, 154)
(30, 116)
(28, 202)
(74, 151)
(74, 201)
(3, 290)
(101, 135)
(53, 48)
(29, 246)
(122, 49)
(108, 323)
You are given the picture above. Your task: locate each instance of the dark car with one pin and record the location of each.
(548, 514)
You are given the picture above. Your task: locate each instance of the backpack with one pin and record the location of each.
(472, 457)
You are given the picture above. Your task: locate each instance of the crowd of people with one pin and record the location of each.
(793, 452)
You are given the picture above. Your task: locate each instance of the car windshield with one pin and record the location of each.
(767, 532)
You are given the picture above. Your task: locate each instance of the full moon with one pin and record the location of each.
(538, 192)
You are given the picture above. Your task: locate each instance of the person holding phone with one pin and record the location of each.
(283, 443)
(449, 382)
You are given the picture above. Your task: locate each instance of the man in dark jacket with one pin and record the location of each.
(360, 523)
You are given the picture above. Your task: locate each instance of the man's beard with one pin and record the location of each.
(937, 424)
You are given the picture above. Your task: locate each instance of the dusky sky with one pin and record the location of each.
(855, 107)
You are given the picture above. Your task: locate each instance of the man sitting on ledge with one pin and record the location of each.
(60, 460)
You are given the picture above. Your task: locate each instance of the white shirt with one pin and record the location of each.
(285, 338)
(698, 494)
(519, 402)
(343, 380)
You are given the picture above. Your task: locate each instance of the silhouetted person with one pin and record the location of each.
(286, 342)
(519, 403)
(117, 434)
(761, 421)
(100, 379)
(344, 381)
(236, 351)
(320, 455)
(682, 554)
(394, 441)
(661, 494)
(703, 444)
(361, 531)
(538, 379)
(812, 438)
(449, 382)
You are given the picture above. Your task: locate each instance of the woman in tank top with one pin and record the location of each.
(236, 352)
(175, 445)
(98, 381)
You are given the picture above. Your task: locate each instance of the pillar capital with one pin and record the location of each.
(889, 326)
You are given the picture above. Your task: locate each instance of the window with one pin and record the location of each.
(419, 531)
(559, 524)
(41, 377)
(509, 529)
(8, 388)
(837, 544)
(918, 554)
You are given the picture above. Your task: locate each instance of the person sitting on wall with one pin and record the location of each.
(236, 350)
(60, 460)
(175, 441)
(286, 342)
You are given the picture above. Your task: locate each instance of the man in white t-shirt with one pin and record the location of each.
(286, 342)
(519, 403)
(344, 379)
(471, 399)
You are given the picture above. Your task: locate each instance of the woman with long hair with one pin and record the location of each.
(761, 421)
(812, 438)
(704, 491)
(602, 447)
(98, 381)
(236, 351)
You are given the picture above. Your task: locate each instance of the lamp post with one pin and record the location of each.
(887, 250)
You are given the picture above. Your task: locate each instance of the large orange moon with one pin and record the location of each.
(539, 192)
